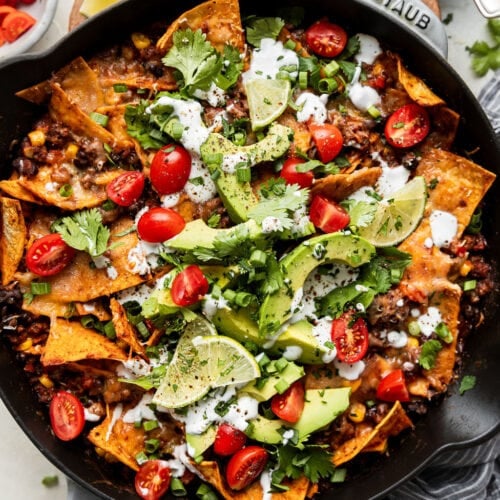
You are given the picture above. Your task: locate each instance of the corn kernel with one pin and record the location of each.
(412, 343)
(37, 137)
(100, 451)
(357, 412)
(466, 268)
(46, 381)
(24, 346)
(71, 151)
(140, 41)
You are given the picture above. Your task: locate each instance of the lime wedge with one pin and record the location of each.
(396, 218)
(267, 100)
(203, 362)
(91, 7)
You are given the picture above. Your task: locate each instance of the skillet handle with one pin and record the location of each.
(418, 17)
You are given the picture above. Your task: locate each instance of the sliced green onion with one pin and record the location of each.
(229, 295)
(327, 85)
(174, 129)
(339, 476)
(149, 425)
(303, 80)
(281, 386)
(243, 174)
(469, 285)
(331, 69)
(40, 288)
(264, 360)
(99, 118)
(177, 487)
(214, 159)
(444, 333)
(120, 87)
(66, 190)
(283, 75)
(143, 329)
(281, 364)
(50, 481)
(204, 492)
(239, 138)
(151, 445)
(243, 299)
(141, 458)
(414, 328)
(290, 44)
(373, 112)
(109, 330)
(258, 258)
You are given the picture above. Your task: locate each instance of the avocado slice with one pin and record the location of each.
(321, 407)
(218, 151)
(289, 374)
(199, 443)
(300, 262)
(240, 326)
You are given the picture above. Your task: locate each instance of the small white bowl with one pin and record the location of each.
(43, 11)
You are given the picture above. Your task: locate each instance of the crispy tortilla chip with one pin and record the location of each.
(391, 425)
(298, 488)
(219, 19)
(43, 307)
(122, 441)
(124, 330)
(339, 186)
(42, 187)
(69, 341)
(82, 282)
(416, 88)
(12, 238)
(13, 188)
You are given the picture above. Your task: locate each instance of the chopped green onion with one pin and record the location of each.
(290, 44)
(109, 330)
(327, 85)
(40, 288)
(283, 75)
(373, 112)
(243, 174)
(414, 328)
(99, 118)
(281, 386)
(469, 285)
(331, 69)
(443, 332)
(339, 476)
(244, 299)
(66, 190)
(141, 458)
(174, 129)
(177, 487)
(143, 329)
(229, 295)
(149, 425)
(120, 87)
(281, 364)
(50, 481)
(204, 492)
(264, 360)
(151, 445)
(303, 80)
(258, 258)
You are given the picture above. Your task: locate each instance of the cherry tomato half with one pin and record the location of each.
(189, 286)
(328, 139)
(66, 415)
(159, 224)
(152, 480)
(350, 337)
(49, 255)
(289, 405)
(328, 215)
(170, 169)
(126, 188)
(407, 126)
(291, 176)
(228, 440)
(15, 24)
(326, 39)
(393, 387)
(245, 466)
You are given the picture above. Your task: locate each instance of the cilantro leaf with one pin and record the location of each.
(484, 56)
(84, 231)
(429, 354)
(230, 69)
(360, 212)
(150, 381)
(195, 58)
(146, 126)
(263, 27)
(467, 383)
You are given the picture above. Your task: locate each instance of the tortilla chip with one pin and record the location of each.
(43, 307)
(42, 187)
(298, 488)
(219, 19)
(69, 341)
(14, 188)
(83, 282)
(391, 425)
(122, 441)
(416, 88)
(124, 330)
(12, 238)
(339, 186)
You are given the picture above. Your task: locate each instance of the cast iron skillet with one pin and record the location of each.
(459, 421)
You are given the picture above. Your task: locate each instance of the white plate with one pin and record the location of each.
(43, 11)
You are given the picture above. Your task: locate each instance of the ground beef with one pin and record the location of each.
(388, 310)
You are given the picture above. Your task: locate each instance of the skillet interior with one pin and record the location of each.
(458, 421)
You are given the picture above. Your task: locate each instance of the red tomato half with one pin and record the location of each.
(189, 286)
(393, 387)
(407, 126)
(326, 39)
(245, 466)
(152, 480)
(66, 416)
(49, 255)
(5, 10)
(228, 440)
(15, 24)
(350, 338)
(289, 405)
(126, 188)
(160, 224)
(291, 176)
(328, 215)
(328, 139)
(170, 169)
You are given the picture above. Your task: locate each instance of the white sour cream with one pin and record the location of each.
(429, 321)
(311, 106)
(397, 339)
(141, 411)
(369, 49)
(444, 227)
(350, 372)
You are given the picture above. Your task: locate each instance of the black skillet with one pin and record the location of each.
(459, 421)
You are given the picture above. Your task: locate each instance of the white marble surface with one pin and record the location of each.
(22, 467)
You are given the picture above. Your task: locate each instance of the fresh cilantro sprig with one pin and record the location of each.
(485, 56)
(263, 27)
(468, 382)
(84, 231)
(428, 354)
(195, 58)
